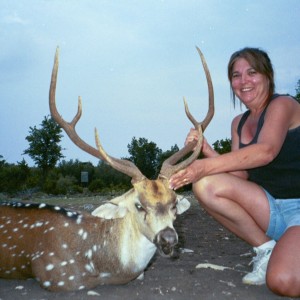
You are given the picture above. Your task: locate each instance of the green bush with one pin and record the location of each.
(96, 186)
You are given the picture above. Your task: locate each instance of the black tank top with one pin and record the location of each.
(281, 177)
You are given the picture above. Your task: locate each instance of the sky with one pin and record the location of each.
(132, 62)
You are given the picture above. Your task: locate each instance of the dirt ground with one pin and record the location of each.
(201, 241)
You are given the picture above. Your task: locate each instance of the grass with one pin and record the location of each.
(67, 200)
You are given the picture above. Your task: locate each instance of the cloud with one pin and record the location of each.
(14, 18)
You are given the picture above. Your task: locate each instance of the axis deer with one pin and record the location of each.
(67, 250)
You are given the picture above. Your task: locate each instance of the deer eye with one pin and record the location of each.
(139, 207)
(174, 208)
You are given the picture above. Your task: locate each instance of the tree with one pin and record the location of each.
(166, 154)
(145, 155)
(44, 148)
(74, 168)
(2, 161)
(222, 146)
(13, 178)
(298, 91)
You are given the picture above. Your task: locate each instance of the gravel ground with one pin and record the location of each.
(202, 243)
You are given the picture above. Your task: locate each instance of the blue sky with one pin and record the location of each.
(132, 62)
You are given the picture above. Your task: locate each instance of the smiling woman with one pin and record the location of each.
(254, 191)
(248, 84)
(249, 62)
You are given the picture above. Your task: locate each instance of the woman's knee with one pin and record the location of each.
(205, 189)
(283, 283)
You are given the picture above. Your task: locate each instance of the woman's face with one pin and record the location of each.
(249, 86)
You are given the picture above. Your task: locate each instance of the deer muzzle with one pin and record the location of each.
(165, 241)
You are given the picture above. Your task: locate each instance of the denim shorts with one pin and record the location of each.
(284, 213)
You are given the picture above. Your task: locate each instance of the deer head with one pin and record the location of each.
(152, 197)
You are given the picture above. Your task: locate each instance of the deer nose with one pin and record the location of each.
(165, 240)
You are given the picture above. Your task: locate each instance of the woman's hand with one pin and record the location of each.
(207, 150)
(192, 136)
(186, 176)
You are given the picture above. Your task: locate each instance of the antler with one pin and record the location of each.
(124, 166)
(169, 166)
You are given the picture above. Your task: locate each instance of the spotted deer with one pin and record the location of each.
(67, 250)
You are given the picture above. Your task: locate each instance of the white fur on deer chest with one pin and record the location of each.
(135, 251)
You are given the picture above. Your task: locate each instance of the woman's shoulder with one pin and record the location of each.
(283, 101)
(236, 120)
(282, 97)
(287, 107)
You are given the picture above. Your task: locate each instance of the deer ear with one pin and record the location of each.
(110, 211)
(182, 204)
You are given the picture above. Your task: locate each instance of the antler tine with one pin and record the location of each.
(126, 167)
(211, 106)
(119, 164)
(169, 166)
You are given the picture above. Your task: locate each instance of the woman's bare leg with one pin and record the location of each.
(283, 273)
(239, 205)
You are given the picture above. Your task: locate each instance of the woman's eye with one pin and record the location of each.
(252, 72)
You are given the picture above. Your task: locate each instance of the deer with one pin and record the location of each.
(67, 250)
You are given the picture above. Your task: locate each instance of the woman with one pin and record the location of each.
(254, 191)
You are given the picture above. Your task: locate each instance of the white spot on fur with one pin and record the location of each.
(89, 254)
(90, 267)
(92, 293)
(79, 219)
(84, 236)
(49, 267)
(46, 283)
(105, 275)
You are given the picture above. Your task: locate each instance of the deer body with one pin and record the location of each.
(66, 250)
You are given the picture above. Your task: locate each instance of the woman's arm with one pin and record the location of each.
(277, 122)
